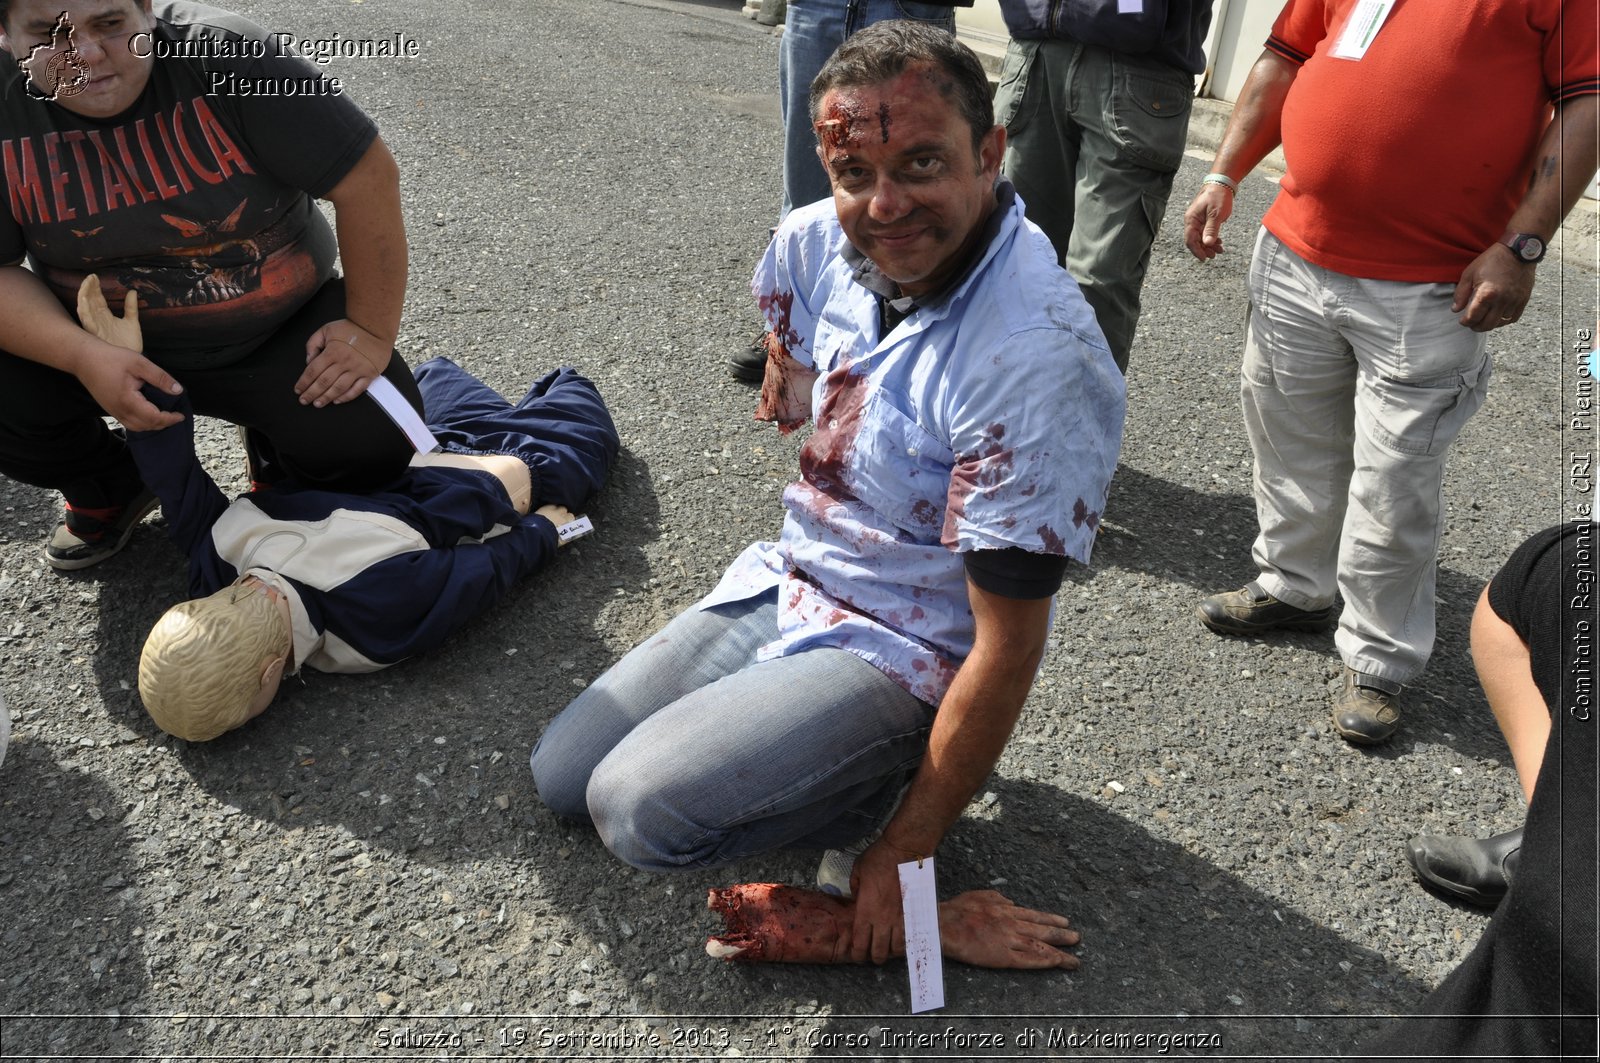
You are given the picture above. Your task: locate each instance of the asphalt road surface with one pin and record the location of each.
(365, 871)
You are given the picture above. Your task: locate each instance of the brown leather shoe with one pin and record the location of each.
(1364, 715)
(1250, 610)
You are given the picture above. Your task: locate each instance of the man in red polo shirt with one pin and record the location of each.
(1425, 176)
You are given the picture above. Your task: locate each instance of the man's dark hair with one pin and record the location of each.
(884, 50)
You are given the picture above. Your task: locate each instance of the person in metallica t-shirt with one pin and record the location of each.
(129, 148)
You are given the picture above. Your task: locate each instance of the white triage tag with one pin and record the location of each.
(1130, 7)
(401, 413)
(919, 901)
(576, 530)
(1359, 32)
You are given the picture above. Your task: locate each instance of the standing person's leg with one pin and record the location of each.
(1034, 103)
(350, 446)
(1134, 118)
(1297, 388)
(1422, 376)
(812, 30)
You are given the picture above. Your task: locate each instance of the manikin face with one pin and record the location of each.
(97, 47)
(911, 193)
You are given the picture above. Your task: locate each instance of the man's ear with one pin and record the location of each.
(992, 150)
(5, 44)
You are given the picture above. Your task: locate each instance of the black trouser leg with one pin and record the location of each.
(352, 446)
(53, 434)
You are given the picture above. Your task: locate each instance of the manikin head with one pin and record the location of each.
(214, 663)
(906, 132)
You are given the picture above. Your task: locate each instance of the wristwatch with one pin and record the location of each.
(1528, 247)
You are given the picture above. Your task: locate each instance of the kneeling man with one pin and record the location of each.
(850, 686)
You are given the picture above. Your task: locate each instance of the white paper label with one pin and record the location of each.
(1359, 32)
(919, 900)
(1130, 7)
(576, 530)
(401, 413)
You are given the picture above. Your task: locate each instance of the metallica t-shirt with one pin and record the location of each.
(198, 197)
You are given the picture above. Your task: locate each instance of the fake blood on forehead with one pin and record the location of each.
(840, 127)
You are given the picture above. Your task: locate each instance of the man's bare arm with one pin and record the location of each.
(1254, 129)
(345, 356)
(971, 729)
(1495, 288)
(1505, 671)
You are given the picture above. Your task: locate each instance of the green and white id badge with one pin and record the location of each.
(1362, 28)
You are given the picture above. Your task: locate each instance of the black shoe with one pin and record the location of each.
(1250, 610)
(1478, 871)
(750, 364)
(88, 536)
(1364, 715)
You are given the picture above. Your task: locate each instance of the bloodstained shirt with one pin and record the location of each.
(989, 419)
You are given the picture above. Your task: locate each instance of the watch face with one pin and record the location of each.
(1530, 248)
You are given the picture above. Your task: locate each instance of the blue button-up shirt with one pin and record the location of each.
(991, 418)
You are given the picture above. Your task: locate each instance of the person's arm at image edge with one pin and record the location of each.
(1505, 671)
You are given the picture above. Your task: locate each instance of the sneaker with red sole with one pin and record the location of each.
(89, 536)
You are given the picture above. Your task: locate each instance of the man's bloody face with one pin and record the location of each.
(98, 45)
(911, 192)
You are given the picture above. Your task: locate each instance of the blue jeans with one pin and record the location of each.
(813, 30)
(690, 754)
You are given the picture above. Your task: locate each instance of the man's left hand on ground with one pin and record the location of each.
(1493, 290)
